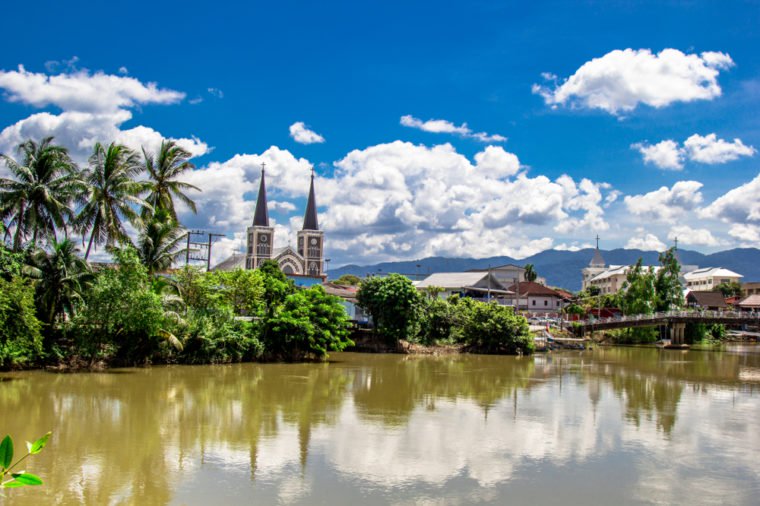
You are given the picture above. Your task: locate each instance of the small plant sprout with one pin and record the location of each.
(19, 478)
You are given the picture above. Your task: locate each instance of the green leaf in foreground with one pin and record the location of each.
(27, 479)
(6, 452)
(11, 484)
(37, 446)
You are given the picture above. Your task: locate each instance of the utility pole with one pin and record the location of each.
(199, 249)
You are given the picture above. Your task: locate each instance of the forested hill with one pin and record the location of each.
(563, 268)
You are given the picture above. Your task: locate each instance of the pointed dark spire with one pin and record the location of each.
(310, 221)
(261, 217)
(597, 261)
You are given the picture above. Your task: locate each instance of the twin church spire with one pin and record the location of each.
(261, 215)
(308, 259)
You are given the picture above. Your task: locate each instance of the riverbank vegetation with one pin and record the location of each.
(57, 308)
(400, 312)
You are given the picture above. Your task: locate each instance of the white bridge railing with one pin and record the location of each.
(664, 315)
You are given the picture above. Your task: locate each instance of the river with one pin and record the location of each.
(608, 426)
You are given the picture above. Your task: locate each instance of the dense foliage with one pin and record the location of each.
(55, 307)
(394, 304)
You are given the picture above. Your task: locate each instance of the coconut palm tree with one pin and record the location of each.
(160, 242)
(164, 168)
(62, 276)
(36, 200)
(530, 273)
(111, 194)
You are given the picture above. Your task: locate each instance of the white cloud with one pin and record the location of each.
(645, 241)
(301, 134)
(574, 246)
(749, 235)
(707, 149)
(665, 154)
(95, 106)
(740, 205)
(82, 91)
(622, 79)
(495, 162)
(693, 236)
(666, 204)
(216, 92)
(440, 126)
(123, 70)
(711, 150)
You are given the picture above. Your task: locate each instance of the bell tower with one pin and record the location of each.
(260, 235)
(310, 239)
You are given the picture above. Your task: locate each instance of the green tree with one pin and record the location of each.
(530, 273)
(111, 192)
(241, 289)
(164, 168)
(730, 289)
(160, 242)
(35, 201)
(639, 296)
(393, 303)
(493, 328)
(20, 336)
(62, 278)
(122, 318)
(639, 293)
(348, 279)
(667, 285)
(308, 323)
(437, 320)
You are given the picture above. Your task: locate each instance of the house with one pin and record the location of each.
(537, 298)
(476, 284)
(750, 288)
(347, 295)
(509, 274)
(751, 303)
(713, 301)
(610, 280)
(708, 278)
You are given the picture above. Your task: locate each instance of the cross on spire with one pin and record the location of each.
(597, 241)
(676, 246)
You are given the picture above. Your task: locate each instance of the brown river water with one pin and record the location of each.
(611, 426)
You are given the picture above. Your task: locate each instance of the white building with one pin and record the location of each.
(475, 284)
(707, 278)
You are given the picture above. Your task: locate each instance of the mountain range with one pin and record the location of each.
(562, 268)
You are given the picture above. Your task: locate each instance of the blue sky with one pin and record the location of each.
(634, 92)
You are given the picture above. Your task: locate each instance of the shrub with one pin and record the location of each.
(218, 338)
(20, 337)
(492, 328)
(309, 323)
(393, 303)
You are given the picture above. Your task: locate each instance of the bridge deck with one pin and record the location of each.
(668, 318)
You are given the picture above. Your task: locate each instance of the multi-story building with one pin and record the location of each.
(708, 278)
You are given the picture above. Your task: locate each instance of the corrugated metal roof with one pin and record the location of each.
(709, 272)
(751, 301)
(449, 280)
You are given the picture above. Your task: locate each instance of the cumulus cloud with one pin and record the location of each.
(740, 205)
(621, 80)
(645, 241)
(83, 91)
(95, 106)
(666, 204)
(711, 150)
(665, 154)
(708, 149)
(749, 235)
(440, 126)
(693, 236)
(303, 135)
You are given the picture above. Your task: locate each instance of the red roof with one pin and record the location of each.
(533, 288)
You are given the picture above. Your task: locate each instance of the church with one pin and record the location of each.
(305, 264)
(307, 259)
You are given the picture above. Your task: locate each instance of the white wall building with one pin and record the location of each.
(707, 278)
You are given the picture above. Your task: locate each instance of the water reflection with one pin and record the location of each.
(622, 425)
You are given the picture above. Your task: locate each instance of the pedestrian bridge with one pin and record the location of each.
(675, 320)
